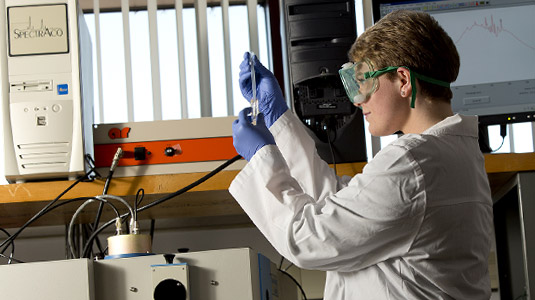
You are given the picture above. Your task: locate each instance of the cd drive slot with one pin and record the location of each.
(31, 86)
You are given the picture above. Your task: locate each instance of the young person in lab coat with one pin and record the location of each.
(417, 222)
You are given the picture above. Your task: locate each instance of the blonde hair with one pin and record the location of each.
(414, 40)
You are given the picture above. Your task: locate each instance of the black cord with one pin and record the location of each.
(503, 134)
(114, 163)
(91, 163)
(291, 277)
(10, 258)
(139, 197)
(151, 232)
(295, 281)
(101, 204)
(97, 241)
(43, 211)
(12, 246)
(331, 148)
(192, 185)
(163, 199)
(503, 140)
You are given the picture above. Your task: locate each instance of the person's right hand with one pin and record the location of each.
(268, 92)
(248, 138)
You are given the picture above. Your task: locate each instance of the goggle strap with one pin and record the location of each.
(373, 74)
(413, 85)
(426, 79)
(432, 80)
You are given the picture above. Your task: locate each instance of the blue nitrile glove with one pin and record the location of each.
(270, 100)
(249, 138)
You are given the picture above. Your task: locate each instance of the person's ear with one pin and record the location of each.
(405, 87)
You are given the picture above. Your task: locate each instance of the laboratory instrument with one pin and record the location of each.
(165, 147)
(224, 274)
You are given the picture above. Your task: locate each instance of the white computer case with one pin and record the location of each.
(47, 89)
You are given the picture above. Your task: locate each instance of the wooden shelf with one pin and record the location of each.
(208, 204)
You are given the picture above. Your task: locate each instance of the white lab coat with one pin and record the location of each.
(415, 224)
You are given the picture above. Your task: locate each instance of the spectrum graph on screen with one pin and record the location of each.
(494, 45)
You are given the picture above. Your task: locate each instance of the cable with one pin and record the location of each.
(295, 281)
(163, 199)
(10, 258)
(332, 151)
(44, 210)
(134, 226)
(11, 239)
(114, 163)
(78, 211)
(503, 134)
(289, 266)
(12, 246)
(151, 231)
(139, 197)
(192, 185)
(331, 147)
(291, 277)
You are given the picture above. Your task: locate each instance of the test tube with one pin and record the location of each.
(254, 100)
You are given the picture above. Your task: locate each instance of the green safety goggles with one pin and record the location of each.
(360, 80)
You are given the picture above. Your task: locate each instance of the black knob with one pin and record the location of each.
(169, 258)
(170, 151)
(170, 289)
(139, 153)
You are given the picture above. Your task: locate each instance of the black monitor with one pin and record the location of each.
(496, 43)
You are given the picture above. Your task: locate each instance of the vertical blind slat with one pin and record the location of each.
(533, 135)
(511, 135)
(181, 58)
(125, 11)
(203, 57)
(154, 60)
(226, 46)
(96, 10)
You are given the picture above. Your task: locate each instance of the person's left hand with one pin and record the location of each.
(249, 138)
(268, 92)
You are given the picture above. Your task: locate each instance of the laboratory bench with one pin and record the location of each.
(208, 204)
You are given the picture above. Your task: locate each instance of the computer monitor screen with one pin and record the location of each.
(496, 43)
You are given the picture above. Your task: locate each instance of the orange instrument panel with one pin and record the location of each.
(165, 146)
(164, 152)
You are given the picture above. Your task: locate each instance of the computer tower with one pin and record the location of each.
(318, 35)
(47, 89)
